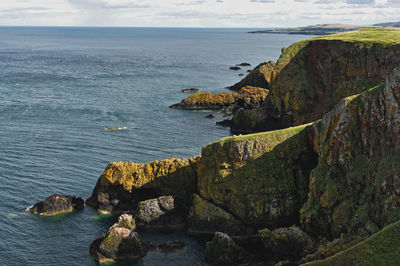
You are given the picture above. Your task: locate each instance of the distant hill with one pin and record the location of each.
(325, 29)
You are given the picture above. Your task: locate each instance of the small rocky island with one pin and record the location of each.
(57, 204)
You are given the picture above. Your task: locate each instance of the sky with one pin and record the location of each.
(196, 13)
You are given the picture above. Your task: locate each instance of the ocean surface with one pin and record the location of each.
(62, 87)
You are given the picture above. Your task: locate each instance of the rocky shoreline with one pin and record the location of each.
(322, 178)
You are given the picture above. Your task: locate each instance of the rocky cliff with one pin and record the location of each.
(355, 189)
(124, 184)
(311, 76)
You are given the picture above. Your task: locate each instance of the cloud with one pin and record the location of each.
(101, 4)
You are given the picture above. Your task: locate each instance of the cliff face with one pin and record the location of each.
(260, 179)
(355, 189)
(124, 184)
(311, 76)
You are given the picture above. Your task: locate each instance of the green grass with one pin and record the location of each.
(273, 135)
(383, 248)
(385, 37)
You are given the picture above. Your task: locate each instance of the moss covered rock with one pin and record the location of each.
(246, 97)
(260, 179)
(124, 184)
(205, 217)
(57, 204)
(224, 251)
(355, 187)
(311, 76)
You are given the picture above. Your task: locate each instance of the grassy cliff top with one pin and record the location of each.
(272, 138)
(385, 37)
(383, 248)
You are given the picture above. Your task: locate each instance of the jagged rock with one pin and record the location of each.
(284, 243)
(124, 184)
(169, 246)
(205, 217)
(125, 221)
(160, 211)
(57, 204)
(209, 116)
(260, 76)
(191, 90)
(224, 251)
(234, 68)
(224, 123)
(260, 179)
(241, 74)
(246, 97)
(355, 187)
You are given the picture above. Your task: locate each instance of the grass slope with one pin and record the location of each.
(383, 248)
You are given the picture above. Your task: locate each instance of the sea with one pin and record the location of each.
(62, 87)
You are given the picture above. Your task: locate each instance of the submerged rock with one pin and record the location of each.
(243, 64)
(224, 251)
(234, 68)
(209, 116)
(57, 204)
(169, 246)
(191, 90)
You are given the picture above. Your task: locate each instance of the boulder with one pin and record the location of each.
(209, 116)
(287, 243)
(222, 250)
(244, 64)
(120, 243)
(57, 204)
(159, 211)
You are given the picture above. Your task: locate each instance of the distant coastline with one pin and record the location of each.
(325, 29)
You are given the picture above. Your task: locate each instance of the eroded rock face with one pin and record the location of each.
(124, 184)
(205, 217)
(355, 189)
(57, 204)
(160, 211)
(224, 251)
(261, 179)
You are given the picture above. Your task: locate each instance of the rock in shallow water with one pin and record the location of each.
(224, 251)
(57, 204)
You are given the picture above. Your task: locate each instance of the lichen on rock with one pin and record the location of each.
(124, 184)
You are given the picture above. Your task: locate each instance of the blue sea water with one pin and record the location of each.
(62, 87)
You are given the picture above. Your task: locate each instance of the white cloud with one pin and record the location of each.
(196, 13)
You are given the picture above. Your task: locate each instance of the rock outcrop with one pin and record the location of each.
(247, 97)
(311, 76)
(57, 204)
(260, 179)
(355, 189)
(120, 243)
(260, 77)
(124, 184)
(224, 251)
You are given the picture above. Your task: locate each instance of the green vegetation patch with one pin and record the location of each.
(383, 248)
